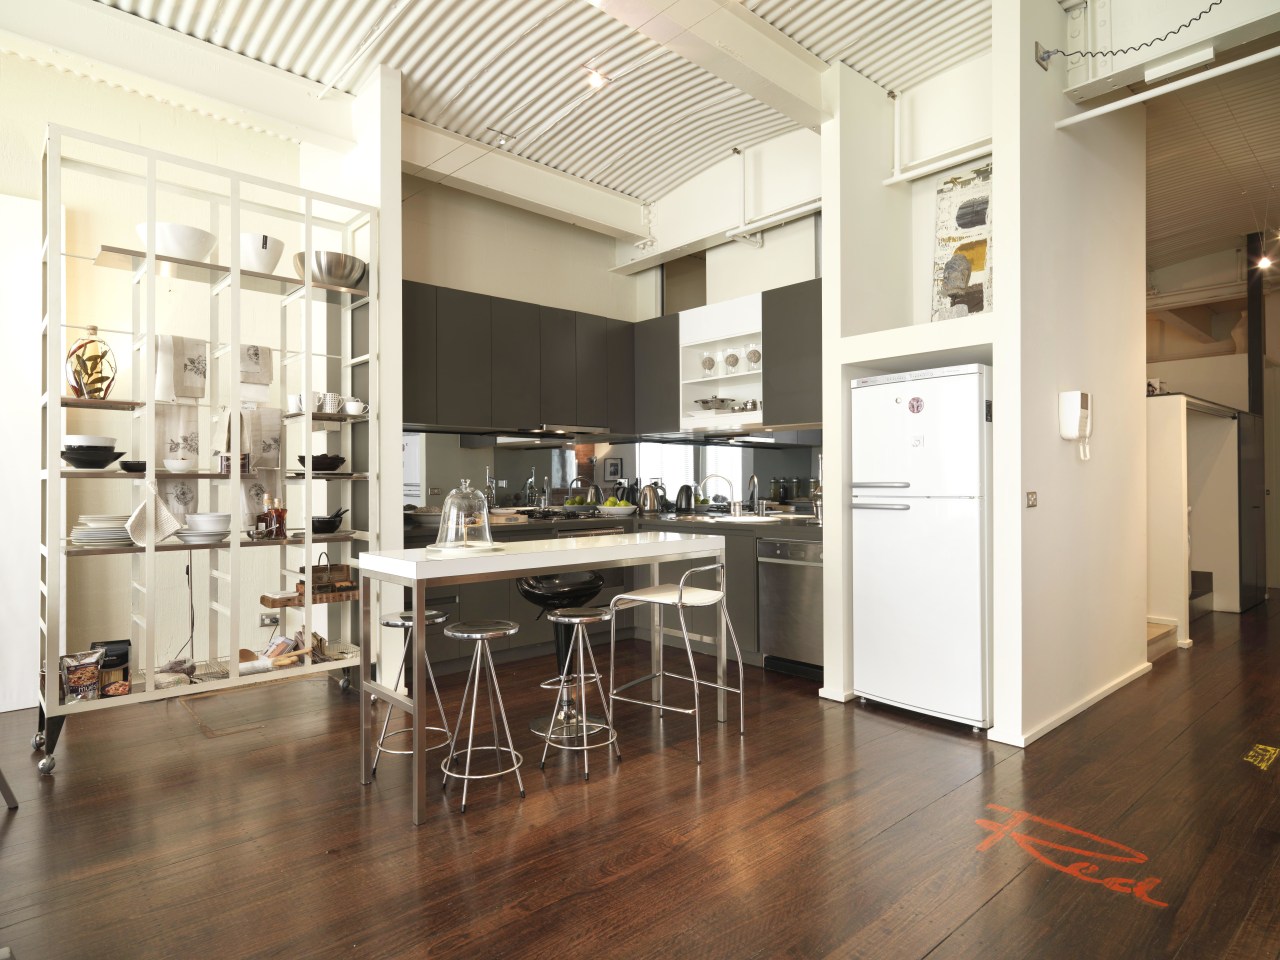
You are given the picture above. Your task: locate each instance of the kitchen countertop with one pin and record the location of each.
(785, 528)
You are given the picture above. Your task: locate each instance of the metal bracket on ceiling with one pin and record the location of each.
(750, 239)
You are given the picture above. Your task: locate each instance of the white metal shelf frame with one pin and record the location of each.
(227, 286)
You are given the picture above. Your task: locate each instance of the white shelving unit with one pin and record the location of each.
(721, 355)
(322, 338)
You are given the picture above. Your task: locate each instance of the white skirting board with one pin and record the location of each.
(1080, 706)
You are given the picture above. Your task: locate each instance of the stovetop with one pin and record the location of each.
(553, 514)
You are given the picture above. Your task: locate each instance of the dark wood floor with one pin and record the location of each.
(234, 825)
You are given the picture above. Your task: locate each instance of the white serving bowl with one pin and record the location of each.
(180, 241)
(179, 466)
(259, 252)
(88, 440)
(209, 522)
(618, 511)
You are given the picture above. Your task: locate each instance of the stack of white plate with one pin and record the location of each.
(202, 536)
(101, 530)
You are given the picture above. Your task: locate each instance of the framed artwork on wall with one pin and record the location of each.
(612, 469)
(962, 244)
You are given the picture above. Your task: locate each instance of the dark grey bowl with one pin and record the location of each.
(133, 466)
(325, 524)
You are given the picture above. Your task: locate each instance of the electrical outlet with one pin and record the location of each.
(433, 491)
(1032, 499)
(1042, 59)
(268, 619)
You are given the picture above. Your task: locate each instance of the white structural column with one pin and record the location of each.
(866, 269)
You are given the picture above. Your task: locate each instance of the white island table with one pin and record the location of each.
(420, 569)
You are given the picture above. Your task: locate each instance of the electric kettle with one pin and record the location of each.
(649, 502)
(684, 499)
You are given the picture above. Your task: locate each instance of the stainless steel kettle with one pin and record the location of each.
(684, 499)
(649, 502)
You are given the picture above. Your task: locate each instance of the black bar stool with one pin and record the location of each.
(404, 620)
(481, 631)
(10, 800)
(566, 733)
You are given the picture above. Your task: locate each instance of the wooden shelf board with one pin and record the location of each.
(123, 258)
(174, 546)
(296, 599)
(116, 473)
(84, 403)
(318, 475)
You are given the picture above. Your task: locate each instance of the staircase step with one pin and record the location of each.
(1161, 639)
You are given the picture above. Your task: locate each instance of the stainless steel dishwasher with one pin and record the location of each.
(790, 606)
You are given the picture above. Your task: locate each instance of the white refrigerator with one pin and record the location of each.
(921, 532)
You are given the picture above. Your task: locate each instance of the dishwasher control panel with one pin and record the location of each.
(797, 551)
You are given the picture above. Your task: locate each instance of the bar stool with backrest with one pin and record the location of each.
(481, 631)
(404, 621)
(679, 596)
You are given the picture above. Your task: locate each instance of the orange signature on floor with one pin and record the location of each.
(1017, 828)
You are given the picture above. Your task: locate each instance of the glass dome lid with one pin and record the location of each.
(464, 520)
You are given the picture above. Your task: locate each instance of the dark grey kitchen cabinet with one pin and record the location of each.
(464, 377)
(792, 347)
(559, 365)
(593, 371)
(657, 366)
(516, 370)
(741, 588)
(620, 341)
(1252, 509)
(418, 353)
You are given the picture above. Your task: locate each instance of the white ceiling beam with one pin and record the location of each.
(115, 47)
(727, 40)
(434, 154)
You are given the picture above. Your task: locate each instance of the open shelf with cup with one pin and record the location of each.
(216, 337)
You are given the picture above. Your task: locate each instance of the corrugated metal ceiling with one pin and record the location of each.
(517, 66)
(1213, 165)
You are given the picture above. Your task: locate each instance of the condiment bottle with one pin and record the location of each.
(262, 521)
(279, 512)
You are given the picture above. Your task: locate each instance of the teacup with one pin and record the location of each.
(294, 400)
(354, 407)
(330, 402)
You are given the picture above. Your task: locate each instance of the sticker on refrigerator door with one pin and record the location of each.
(915, 404)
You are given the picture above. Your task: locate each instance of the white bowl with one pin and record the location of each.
(179, 466)
(88, 440)
(618, 511)
(259, 252)
(180, 241)
(209, 522)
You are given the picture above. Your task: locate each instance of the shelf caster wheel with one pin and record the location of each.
(46, 765)
(344, 684)
(37, 742)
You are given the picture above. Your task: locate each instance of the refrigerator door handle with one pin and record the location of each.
(880, 506)
(885, 485)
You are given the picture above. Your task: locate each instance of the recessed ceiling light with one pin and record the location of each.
(1264, 262)
(596, 79)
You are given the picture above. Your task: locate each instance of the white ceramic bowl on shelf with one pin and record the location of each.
(87, 440)
(179, 466)
(209, 522)
(179, 240)
(259, 252)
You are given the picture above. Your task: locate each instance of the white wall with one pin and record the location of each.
(20, 564)
(947, 112)
(1223, 380)
(789, 255)
(1168, 561)
(1084, 546)
(460, 240)
(1213, 496)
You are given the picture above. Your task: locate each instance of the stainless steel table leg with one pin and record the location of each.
(655, 636)
(367, 736)
(419, 695)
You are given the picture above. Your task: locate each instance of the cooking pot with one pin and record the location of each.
(649, 502)
(684, 499)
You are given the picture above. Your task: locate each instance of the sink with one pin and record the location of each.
(749, 518)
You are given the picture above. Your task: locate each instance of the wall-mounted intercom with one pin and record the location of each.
(1075, 418)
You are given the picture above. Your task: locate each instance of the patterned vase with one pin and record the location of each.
(90, 367)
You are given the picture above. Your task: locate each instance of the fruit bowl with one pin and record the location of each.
(619, 511)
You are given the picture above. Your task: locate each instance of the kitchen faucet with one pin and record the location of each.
(752, 499)
(529, 486)
(715, 476)
(490, 487)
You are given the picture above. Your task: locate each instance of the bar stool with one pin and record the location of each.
(678, 596)
(481, 631)
(567, 730)
(404, 620)
(10, 800)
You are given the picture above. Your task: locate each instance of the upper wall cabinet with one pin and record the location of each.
(559, 362)
(464, 342)
(593, 372)
(657, 372)
(620, 350)
(792, 354)
(419, 353)
(516, 375)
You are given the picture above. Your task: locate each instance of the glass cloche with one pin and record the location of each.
(464, 520)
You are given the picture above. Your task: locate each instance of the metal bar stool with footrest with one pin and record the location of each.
(566, 732)
(559, 591)
(404, 621)
(679, 596)
(481, 631)
(10, 800)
